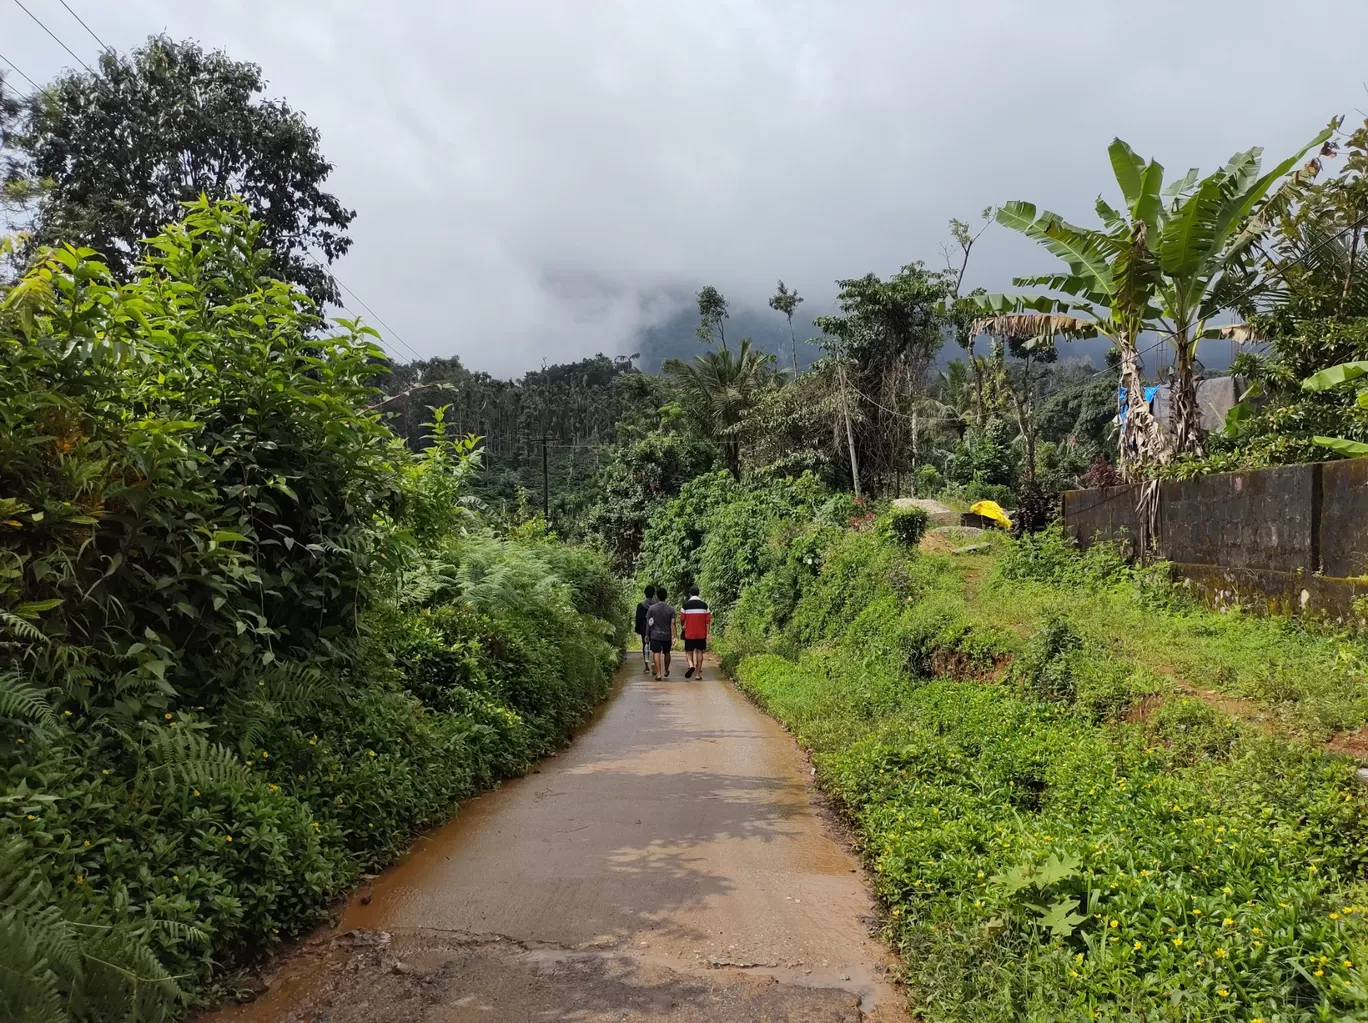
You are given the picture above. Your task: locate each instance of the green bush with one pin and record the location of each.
(248, 644)
(929, 481)
(907, 525)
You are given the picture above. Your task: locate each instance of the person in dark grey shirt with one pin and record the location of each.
(660, 624)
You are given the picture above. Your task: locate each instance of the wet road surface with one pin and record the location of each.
(670, 864)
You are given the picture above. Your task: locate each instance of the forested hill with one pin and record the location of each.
(675, 337)
(574, 409)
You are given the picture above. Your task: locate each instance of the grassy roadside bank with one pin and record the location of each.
(1058, 829)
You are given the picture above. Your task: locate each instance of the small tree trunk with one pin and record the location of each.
(1142, 442)
(793, 344)
(978, 385)
(1186, 416)
(850, 436)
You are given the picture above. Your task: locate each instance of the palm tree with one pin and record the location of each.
(1169, 262)
(718, 389)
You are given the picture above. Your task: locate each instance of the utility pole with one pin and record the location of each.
(546, 487)
(850, 434)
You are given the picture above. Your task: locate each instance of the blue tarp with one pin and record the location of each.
(1149, 393)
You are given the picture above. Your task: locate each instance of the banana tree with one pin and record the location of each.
(1169, 261)
(1329, 379)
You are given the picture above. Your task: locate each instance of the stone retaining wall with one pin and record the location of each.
(1289, 538)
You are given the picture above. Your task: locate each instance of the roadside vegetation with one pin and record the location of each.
(1058, 827)
(249, 642)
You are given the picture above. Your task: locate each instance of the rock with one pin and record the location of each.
(717, 962)
(362, 938)
(365, 896)
(251, 986)
(403, 969)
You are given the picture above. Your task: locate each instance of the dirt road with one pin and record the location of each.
(671, 864)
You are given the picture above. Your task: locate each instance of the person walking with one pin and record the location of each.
(660, 623)
(643, 610)
(695, 616)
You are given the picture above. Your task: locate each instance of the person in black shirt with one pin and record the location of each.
(642, 610)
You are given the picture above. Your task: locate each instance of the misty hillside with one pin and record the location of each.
(675, 339)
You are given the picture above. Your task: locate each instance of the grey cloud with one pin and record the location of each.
(545, 179)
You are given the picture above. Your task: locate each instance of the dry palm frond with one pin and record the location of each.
(1035, 325)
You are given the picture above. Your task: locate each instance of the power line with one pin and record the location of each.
(338, 281)
(74, 55)
(103, 44)
(15, 68)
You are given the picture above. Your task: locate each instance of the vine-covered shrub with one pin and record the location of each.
(717, 533)
(248, 643)
(907, 525)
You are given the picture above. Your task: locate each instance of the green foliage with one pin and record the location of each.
(982, 459)
(117, 152)
(1039, 855)
(643, 473)
(907, 525)
(716, 533)
(1169, 259)
(718, 389)
(249, 644)
(585, 409)
(712, 312)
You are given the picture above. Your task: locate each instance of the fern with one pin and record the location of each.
(190, 759)
(23, 702)
(21, 627)
(55, 967)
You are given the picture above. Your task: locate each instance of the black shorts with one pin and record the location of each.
(695, 644)
(660, 646)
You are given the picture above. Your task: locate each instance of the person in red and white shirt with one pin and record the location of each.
(695, 617)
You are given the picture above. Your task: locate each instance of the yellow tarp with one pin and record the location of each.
(991, 510)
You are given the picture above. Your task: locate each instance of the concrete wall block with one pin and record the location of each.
(1344, 518)
(1256, 520)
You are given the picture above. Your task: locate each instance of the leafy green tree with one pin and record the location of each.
(1170, 261)
(116, 154)
(786, 302)
(155, 435)
(717, 390)
(643, 473)
(880, 347)
(712, 311)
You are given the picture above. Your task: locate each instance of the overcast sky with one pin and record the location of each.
(540, 179)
